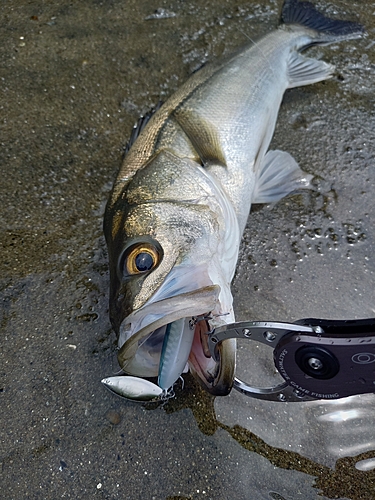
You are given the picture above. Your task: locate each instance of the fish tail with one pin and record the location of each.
(330, 30)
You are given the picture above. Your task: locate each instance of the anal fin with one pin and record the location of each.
(305, 71)
(279, 175)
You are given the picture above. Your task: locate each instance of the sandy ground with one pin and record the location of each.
(74, 78)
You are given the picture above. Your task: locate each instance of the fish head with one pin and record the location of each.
(166, 243)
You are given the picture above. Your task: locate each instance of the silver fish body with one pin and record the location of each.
(181, 200)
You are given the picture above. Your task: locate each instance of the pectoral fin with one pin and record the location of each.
(202, 135)
(279, 175)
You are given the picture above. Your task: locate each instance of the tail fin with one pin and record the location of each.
(305, 14)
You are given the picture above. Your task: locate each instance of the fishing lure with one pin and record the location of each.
(176, 348)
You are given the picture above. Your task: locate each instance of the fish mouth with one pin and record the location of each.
(142, 333)
(216, 376)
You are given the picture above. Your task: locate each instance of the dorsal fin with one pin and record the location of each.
(305, 14)
(140, 125)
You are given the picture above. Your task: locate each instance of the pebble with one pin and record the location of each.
(113, 416)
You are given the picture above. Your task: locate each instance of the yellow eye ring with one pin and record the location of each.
(141, 259)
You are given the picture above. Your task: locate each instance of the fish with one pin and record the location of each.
(179, 205)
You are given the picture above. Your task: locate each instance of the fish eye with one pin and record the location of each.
(141, 258)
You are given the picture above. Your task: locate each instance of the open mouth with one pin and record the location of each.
(215, 376)
(154, 342)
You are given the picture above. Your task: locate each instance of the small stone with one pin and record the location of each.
(113, 416)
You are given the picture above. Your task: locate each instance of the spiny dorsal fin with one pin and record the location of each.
(140, 125)
(305, 14)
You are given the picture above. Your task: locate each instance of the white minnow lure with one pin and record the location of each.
(176, 348)
(134, 388)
